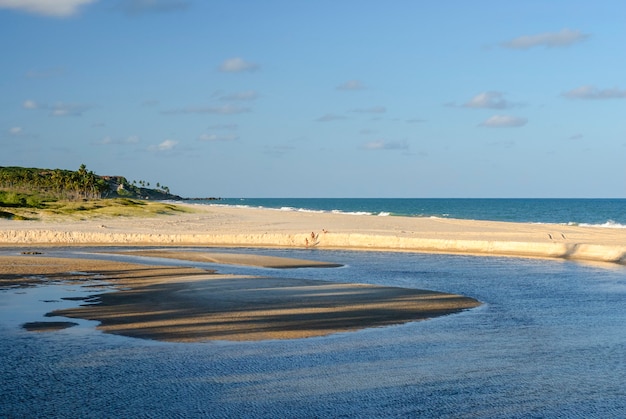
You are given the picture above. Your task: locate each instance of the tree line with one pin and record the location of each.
(57, 183)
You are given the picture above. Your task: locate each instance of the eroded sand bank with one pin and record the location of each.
(173, 303)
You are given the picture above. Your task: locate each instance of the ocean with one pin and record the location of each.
(596, 212)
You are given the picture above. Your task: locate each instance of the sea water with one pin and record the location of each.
(597, 212)
(549, 340)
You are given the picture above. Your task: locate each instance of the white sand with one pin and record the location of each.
(246, 227)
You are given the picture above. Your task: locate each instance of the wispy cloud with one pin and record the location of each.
(241, 96)
(386, 145)
(68, 109)
(142, 7)
(227, 109)
(58, 109)
(563, 38)
(351, 85)
(502, 144)
(224, 126)
(330, 117)
(30, 104)
(367, 131)
(107, 140)
(16, 132)
(19, 133)
(166, 145)
(592, 93)
(504, 121)
(52, 8)
(278, 150)
(45, 73)
(372, 110)
(488, 100)
(217, 137)
(237, 65)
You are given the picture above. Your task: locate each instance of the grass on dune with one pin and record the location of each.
(89, 209)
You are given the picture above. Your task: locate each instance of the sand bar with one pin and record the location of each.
(188, 304)
(223, 226)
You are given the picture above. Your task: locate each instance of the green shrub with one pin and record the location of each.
(33, 201)
(7, 215)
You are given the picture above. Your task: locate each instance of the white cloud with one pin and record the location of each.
(216, 137)
(245, 95)
(504, 121)
(54, 8)
(164, 146)
(15, 130)
(30, 104)
(386, 145)
(563, 38)
(140, 7)
(591, 92)
(488, 100)
(237, 65)
(351, 85)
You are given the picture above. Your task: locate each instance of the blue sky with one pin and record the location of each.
(321, 98)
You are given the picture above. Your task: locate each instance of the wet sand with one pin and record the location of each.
(184, 304)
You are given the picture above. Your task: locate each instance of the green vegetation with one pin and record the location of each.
(57, 183)
(75, 185)
(31, 193)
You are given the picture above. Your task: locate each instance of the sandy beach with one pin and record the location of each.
(176, 303)
(222, 226)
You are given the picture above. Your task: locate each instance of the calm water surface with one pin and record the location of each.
(549, 341)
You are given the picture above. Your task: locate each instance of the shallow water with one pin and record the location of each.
(549, 341)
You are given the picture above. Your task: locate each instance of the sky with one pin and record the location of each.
(418, 99)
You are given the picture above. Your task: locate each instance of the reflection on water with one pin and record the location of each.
(549, 341)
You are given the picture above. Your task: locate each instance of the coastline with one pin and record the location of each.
(223, 226)
(171, 303)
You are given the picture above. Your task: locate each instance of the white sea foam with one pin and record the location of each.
(608, 224)
(383, 214)
(293, 209)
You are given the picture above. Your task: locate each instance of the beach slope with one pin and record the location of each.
(222, 226)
